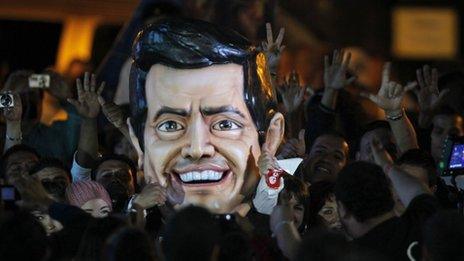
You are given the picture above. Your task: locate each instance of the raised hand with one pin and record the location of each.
(390, 96)
(428, 96)
(266, 161)
(272, 49)
(292, 92)
(293, 147)
(381, 156)
(152, 195)
(335, 73)
(87, 104)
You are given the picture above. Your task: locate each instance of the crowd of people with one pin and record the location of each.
(143, 180)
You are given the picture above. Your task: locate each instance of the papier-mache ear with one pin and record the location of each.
(135, 143)
(274, 134)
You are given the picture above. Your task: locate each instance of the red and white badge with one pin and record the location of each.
(273, 178)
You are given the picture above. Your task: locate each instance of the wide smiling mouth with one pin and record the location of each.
(322, 169)
(202, 177)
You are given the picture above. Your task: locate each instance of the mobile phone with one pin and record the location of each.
(9, 196)
(39, 81)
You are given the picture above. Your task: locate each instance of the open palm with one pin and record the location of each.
(87, 104)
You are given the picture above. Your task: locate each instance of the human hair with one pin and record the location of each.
(443, 236)
(193, 44)
(296, 187)
(95, 235)
(22, 237)
(423, 159)
(191, 234)
(364, 190)
(49, 163)
(332, 133)
(13, 150)
(129, 244)
(373, 125)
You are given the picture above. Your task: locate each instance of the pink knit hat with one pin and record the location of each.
(79, 193)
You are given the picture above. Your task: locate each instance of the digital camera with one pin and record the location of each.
(39, 81)
(6, 100)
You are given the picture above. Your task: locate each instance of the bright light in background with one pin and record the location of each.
(76, 40)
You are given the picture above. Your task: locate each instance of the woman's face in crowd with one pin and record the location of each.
(298, 211)
(329, 213)
(98, 208)
(50, 225)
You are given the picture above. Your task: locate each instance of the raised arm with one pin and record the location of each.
(88, 107)
(407, 186)
(272, 50)
(335, 77)
(13, 123)
(283, 228)
(428, 95)
(390, 98)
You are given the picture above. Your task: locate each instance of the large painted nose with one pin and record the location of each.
(199, 145)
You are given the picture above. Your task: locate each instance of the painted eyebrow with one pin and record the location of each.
(170, 110)
(208, 111)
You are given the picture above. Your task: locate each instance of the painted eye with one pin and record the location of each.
(170, 126)
(226, 125)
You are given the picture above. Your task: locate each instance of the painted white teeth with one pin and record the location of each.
(201, 176)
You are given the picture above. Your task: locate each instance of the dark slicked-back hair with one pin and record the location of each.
(193, 44)
(364, 190)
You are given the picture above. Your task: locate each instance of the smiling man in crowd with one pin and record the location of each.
(202, 109)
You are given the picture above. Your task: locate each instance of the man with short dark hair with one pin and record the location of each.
(328, 155)
(191, 234)
(18, 160)
(365, 206)
(446, 122)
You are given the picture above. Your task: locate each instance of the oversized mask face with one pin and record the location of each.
(199, 134)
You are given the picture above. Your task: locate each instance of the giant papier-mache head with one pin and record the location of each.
(167, 53)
